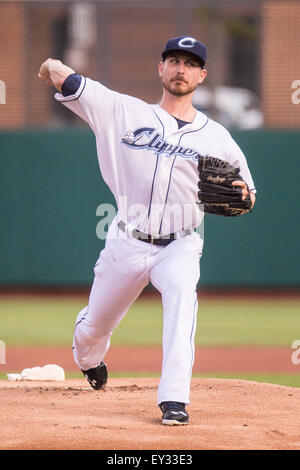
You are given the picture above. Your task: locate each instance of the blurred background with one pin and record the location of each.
(50, 184)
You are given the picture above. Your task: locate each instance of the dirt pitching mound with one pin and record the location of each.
(224, 414)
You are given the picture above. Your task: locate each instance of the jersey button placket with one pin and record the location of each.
(164, 176)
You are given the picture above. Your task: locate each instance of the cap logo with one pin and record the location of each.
(187, 42)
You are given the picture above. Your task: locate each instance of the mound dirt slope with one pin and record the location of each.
(224, 414)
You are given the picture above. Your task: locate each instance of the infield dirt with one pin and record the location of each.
(224, 414)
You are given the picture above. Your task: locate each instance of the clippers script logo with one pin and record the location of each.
(187, 42)
(150, 139)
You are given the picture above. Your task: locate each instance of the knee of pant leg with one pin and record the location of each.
(81, 315)
(177, 282)
(89, 334)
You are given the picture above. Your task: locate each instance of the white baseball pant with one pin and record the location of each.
(125, 266)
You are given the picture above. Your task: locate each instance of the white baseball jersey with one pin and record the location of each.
(150, 164)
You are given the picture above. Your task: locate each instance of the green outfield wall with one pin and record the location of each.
(51, 187)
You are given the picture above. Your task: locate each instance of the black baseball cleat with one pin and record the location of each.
(173, 413)
(96, 376)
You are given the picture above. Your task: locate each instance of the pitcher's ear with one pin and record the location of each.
(203, 75)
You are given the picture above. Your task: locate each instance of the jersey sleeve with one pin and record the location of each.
(92, 102)
(236, 157)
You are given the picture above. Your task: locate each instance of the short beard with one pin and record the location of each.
(177, 91)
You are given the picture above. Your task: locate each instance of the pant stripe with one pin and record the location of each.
(191, 336)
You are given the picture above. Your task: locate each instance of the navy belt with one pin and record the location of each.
(164, 240)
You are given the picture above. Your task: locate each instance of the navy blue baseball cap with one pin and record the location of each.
(187, 44)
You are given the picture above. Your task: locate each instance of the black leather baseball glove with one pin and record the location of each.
(216, 193)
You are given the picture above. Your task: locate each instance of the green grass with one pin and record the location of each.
(49, 321)
(38, 321)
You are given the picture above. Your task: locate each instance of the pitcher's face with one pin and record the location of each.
(181, 73)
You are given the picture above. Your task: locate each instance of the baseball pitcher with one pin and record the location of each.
(167, 164)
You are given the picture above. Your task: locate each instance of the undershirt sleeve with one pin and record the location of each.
(71, 84)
